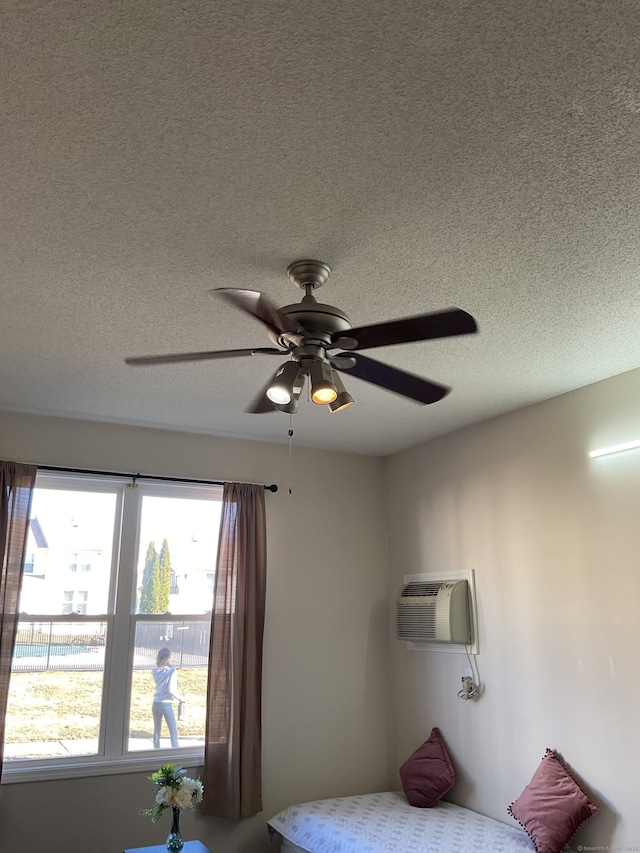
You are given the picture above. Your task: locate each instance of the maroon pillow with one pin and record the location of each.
(428, 774)
(553, 806)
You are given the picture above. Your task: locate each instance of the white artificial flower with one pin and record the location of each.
(195, 787)
(183, 798)
(168, 796)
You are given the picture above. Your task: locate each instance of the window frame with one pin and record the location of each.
(121, 619)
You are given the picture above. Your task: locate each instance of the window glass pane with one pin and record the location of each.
(151, 722)
(93, 545)
(176, 556)
(69, 529)
(55, 692)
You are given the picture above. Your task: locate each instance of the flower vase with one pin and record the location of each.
(174, 840)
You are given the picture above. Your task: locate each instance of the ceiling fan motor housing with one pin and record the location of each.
(318, 320)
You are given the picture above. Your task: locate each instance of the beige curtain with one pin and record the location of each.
(16, 487)
(233, 740)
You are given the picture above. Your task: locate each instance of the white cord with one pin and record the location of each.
(471, 687)
(290, 454)
(473, 664)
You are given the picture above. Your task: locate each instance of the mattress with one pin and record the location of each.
(386, 823)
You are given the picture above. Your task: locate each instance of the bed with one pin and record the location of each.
(386, 823)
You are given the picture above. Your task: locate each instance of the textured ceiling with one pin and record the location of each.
(484, 155)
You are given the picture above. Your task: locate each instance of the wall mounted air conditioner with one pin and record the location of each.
(434, 611)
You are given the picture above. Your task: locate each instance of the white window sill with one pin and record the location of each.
(50, 770)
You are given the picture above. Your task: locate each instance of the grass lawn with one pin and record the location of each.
(47, 706)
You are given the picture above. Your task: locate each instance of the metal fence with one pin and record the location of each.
(42, 646)
(188, 641)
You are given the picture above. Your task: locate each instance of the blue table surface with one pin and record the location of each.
(189, 847)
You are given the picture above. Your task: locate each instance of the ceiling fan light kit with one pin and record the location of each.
(289, 408)
(323, 390)
(319, 341)
(281, 389)
(343, 400)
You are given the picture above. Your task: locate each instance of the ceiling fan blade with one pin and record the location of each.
(422, 327)
(393, 379)
(262, 308)
(175, 358)
(261, 404)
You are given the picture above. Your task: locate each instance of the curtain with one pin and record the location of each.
(233, 735)
(16, 487)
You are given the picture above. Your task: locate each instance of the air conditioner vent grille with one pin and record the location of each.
(418, 622)
(421, 588)
(433, 611)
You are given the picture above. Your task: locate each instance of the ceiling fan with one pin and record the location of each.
(321, 343)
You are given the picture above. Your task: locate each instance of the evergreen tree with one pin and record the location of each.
(146, 594)
(164, 577)
(156, 587)
(152, 599)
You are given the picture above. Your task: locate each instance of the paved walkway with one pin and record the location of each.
(54, 748)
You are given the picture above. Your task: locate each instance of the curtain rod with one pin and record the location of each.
(272, 488)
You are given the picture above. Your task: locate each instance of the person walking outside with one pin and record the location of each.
(166, 680)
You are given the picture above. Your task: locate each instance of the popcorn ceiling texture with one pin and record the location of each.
(478, 154)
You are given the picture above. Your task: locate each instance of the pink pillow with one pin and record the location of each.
(428, 774)
(553, 806)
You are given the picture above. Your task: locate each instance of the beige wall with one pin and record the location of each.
(554, 539)
(326, 637)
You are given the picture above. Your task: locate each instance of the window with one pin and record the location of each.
(81, 691)
(81, 602)
(74, 602)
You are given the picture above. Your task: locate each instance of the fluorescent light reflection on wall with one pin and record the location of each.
(615, 448)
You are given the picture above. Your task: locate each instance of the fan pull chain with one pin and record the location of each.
(290, 454)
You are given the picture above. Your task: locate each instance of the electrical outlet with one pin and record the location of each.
(467, 685)
(469, 688)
